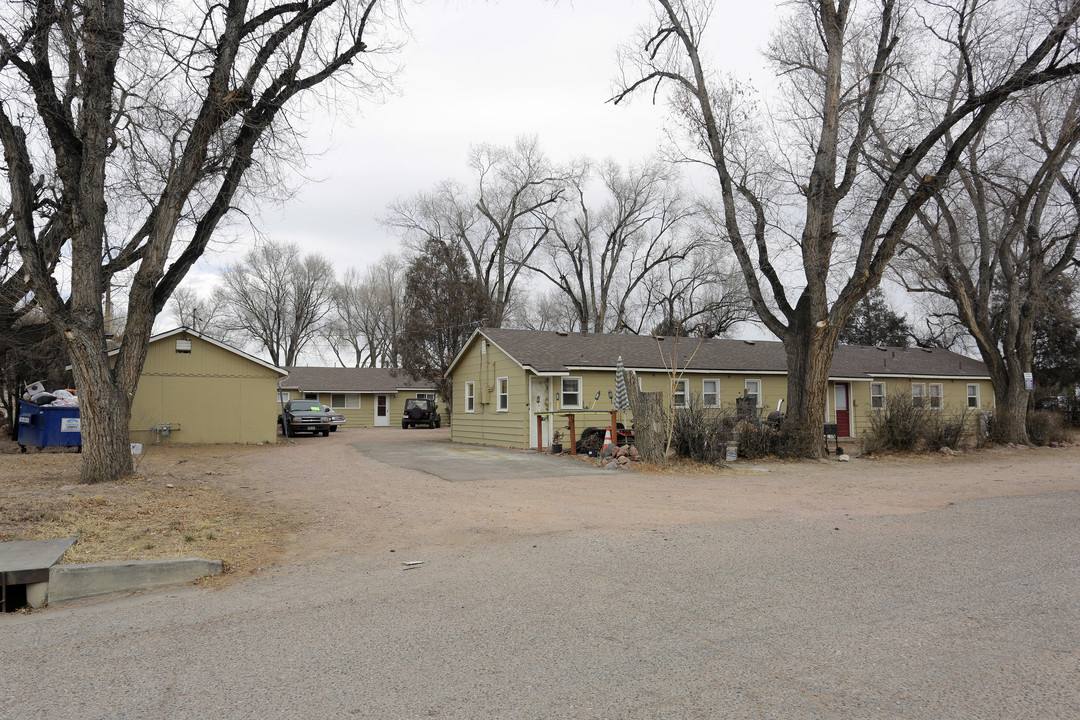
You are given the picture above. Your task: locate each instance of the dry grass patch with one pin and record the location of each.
(165, 511)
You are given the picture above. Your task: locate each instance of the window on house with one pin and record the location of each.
(470, 397)
(503, 386)
(710, 393)
(425, 396)
(918, 394)
(877, 396)
(183, 346)
(753, 392)
(311, 396)
(973, 396)
(571, 392)
(282, 397)
(936, 396)
(342, 401)
(678, 394)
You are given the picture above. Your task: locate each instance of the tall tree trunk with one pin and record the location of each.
(809, 356)
(104, 411)
(1011, 408)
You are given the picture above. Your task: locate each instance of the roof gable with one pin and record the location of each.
(206, 338)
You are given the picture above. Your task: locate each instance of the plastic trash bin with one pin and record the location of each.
(45, 426)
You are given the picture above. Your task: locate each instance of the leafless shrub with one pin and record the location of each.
(1045, 427)
(946, 431)
(898, 426)
(701, 433)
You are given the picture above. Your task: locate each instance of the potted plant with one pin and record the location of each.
(556, 442)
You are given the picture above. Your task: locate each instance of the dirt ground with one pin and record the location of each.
(258, 506)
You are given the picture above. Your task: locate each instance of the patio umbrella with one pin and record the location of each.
(622, 398)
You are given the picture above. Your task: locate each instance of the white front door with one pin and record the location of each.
(539, 402)
(382, 411)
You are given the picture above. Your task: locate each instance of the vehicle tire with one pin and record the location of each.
(416, 413)
(438, 425)
(404, 426)
(333, 429)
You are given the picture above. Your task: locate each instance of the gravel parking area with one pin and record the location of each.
(944, 588)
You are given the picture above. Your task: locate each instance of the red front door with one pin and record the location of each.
(843, 419)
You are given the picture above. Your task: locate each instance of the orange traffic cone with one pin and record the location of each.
(607, 441)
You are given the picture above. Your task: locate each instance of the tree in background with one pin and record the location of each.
(444, 304)
(1056, 342)
(702, 295)
(278, 299)
(147, 123)
(600, 253)
(496, 222)
(367, 315)
(874, 322)
(812, 210)
(998, 242)
(203, 315)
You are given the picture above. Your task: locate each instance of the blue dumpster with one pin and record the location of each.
(48, 426)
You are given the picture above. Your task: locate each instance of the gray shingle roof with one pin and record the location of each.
(553, 352)
(335, 379)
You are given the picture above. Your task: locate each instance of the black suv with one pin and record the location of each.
(420, 411)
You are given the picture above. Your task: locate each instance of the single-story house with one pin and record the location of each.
(367, 397)
(196, 390)
(504, 379)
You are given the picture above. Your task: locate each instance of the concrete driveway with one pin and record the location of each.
(433, 453)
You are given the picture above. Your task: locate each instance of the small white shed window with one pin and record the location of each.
(571, 393)
(503, 389)
(918, 394)
(183, 346)
(470, 397)
(936, 396)
(877, 396)
(710, 393)
(678, 394)
(973, 396)
(753, 392)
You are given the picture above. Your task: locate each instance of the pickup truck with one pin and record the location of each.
(305, 416)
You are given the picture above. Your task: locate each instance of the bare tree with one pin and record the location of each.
(850, 70)
(203, 315)
(367, 315)
(600, 256)
(496, 221)
(145, 120)
(278, 298)
(701, 296)
(997, 242)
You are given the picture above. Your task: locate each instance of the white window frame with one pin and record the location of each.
(940, 397)
(705, 393)
(757, 392)
(676, 392)
(350, 401)
(580, 392)
(880, 397)
(283, 396)
(425, 396)
(976, 396)
(470, 397)
(502, 391)
(918, 399)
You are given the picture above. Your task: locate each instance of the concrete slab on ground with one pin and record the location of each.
(457, 462)
(28, 561)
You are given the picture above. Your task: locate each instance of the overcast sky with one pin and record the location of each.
(478, 71)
